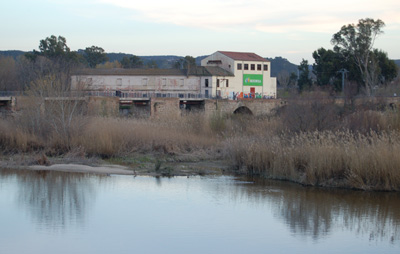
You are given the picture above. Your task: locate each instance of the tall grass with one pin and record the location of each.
(340, 159)
(313, 142)
(109, 137)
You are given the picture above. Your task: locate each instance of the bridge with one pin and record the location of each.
(144, 105)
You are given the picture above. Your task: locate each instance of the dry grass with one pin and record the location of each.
(319, 143)
(109, 137)
(340, 159)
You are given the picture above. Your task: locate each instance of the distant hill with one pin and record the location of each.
(167, 61)
(163, 62)
(397, 62)
(279, 64)
(12, 53)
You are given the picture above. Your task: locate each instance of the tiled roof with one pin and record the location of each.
(218, 71)
(243, 56)
(131, 72)
(196, 71)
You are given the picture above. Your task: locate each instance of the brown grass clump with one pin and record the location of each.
(341, 159)
(15, 139)
(112, 137)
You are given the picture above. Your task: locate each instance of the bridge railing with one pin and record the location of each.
(145, 95)
(123, 94)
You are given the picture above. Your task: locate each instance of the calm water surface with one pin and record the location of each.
(50, 212)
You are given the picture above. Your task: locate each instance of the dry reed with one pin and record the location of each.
(357, 149)
(333, 159)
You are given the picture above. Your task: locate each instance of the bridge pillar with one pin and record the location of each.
(165, 107)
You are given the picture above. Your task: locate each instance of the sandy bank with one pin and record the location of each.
(147, 167)
(103, 169)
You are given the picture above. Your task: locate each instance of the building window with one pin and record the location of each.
(206, 82)
(239, 66)
(227, 82)
(265, 67)
(144, 82)
(119, 81)
(217, 82)
(258, 67)
(181, 82)
(246, 66)
(206, 93)
(164, 82)
(253, 67)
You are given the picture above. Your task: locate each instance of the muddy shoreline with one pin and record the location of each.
(139, 165)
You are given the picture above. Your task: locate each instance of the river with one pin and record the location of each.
(56, 212)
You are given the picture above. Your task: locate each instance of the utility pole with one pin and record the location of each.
(343, 71)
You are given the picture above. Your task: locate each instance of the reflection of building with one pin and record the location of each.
(225, 74)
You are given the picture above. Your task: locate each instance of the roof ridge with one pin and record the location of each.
(244, 56)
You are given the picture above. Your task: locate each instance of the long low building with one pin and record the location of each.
(223, 74)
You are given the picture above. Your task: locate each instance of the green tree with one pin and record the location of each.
(292, 79)
(152, 64)
(54, 47)
(54, 59)
(304, 81)
(357, 41)
(131, 62)
(94, 55)
(326, 67)
(387, 68)
(186, 62)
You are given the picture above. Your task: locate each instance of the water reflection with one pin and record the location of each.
(54, 200)
(316, 212)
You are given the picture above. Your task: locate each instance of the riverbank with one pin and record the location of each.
(138, 165)
(313, 142)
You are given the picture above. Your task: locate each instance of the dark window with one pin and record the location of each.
(253, 67)
(239, 66)
(227, 83)
(206, 82)
(214, 62)
(217, 82)
(246, 66)
(258, 67)
(265, 67)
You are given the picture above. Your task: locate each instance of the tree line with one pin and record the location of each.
(353, 58)
(54, 58)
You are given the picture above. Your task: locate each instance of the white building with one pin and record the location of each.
(225, 74)
(251, 75)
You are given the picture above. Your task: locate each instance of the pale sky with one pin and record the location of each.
(288, 28)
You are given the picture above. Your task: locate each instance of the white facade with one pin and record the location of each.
(242, 65)
(140, 83)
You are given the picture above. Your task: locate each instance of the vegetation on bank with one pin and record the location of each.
(312, 140)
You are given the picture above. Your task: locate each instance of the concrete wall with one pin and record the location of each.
(103, 106)
(136, 83)
(165, 107)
